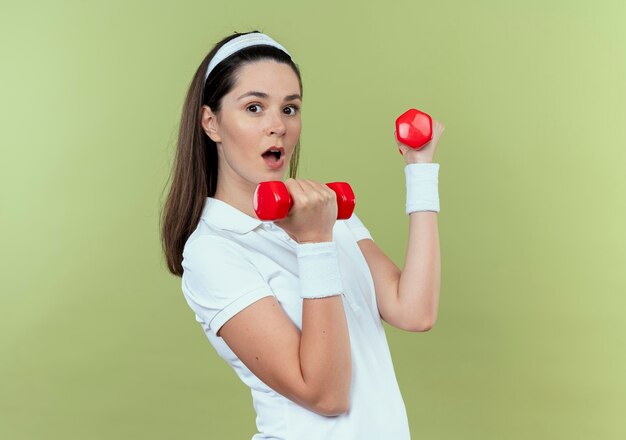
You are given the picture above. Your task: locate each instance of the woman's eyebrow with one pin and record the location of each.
(265, 96)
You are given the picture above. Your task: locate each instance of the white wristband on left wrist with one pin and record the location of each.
(422, 187)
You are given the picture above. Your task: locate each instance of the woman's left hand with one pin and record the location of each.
(424, 154)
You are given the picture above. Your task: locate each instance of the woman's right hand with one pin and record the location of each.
(314, 212)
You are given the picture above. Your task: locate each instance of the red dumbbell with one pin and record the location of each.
(414, 128)
(272, 200)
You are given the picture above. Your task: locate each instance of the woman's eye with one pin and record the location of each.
(295, 109)
(254, 105)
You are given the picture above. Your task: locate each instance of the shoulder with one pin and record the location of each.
(214, 255)
(217, 266)
(219, 279)
(207, 245)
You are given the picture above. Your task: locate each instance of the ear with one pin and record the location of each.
(210, 124)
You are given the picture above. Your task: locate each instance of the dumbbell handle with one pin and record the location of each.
(272, 200)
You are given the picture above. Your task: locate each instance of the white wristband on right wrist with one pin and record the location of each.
(319, 270)
(422, 187)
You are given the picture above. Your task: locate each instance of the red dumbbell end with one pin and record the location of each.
(345, 199)
(271, 200)
(414, 128)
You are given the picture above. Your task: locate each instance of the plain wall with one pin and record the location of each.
(96, 340)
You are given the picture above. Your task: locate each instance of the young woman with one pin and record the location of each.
(294, 306)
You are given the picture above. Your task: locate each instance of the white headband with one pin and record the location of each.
(239, 43)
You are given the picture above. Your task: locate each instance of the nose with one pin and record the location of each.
(276, 124)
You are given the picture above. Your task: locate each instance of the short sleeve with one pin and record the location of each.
(358, 229)
(219, 280)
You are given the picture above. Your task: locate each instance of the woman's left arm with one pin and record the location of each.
(409, 299)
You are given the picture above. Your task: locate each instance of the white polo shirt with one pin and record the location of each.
(232, 260)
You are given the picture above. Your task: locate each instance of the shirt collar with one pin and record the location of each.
(224, 216)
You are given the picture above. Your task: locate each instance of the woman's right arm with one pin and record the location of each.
(314, 367)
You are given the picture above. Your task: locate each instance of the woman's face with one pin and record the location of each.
(261, 111)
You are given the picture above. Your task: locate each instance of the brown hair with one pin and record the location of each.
(194, 170)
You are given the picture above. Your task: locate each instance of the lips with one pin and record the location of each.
(274, 151)
(274, 157)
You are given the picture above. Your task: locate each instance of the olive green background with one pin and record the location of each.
(96, 340)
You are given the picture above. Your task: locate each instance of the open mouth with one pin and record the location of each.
(273, 154)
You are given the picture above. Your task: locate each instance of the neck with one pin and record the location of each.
(233, 189)
(242, 200)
